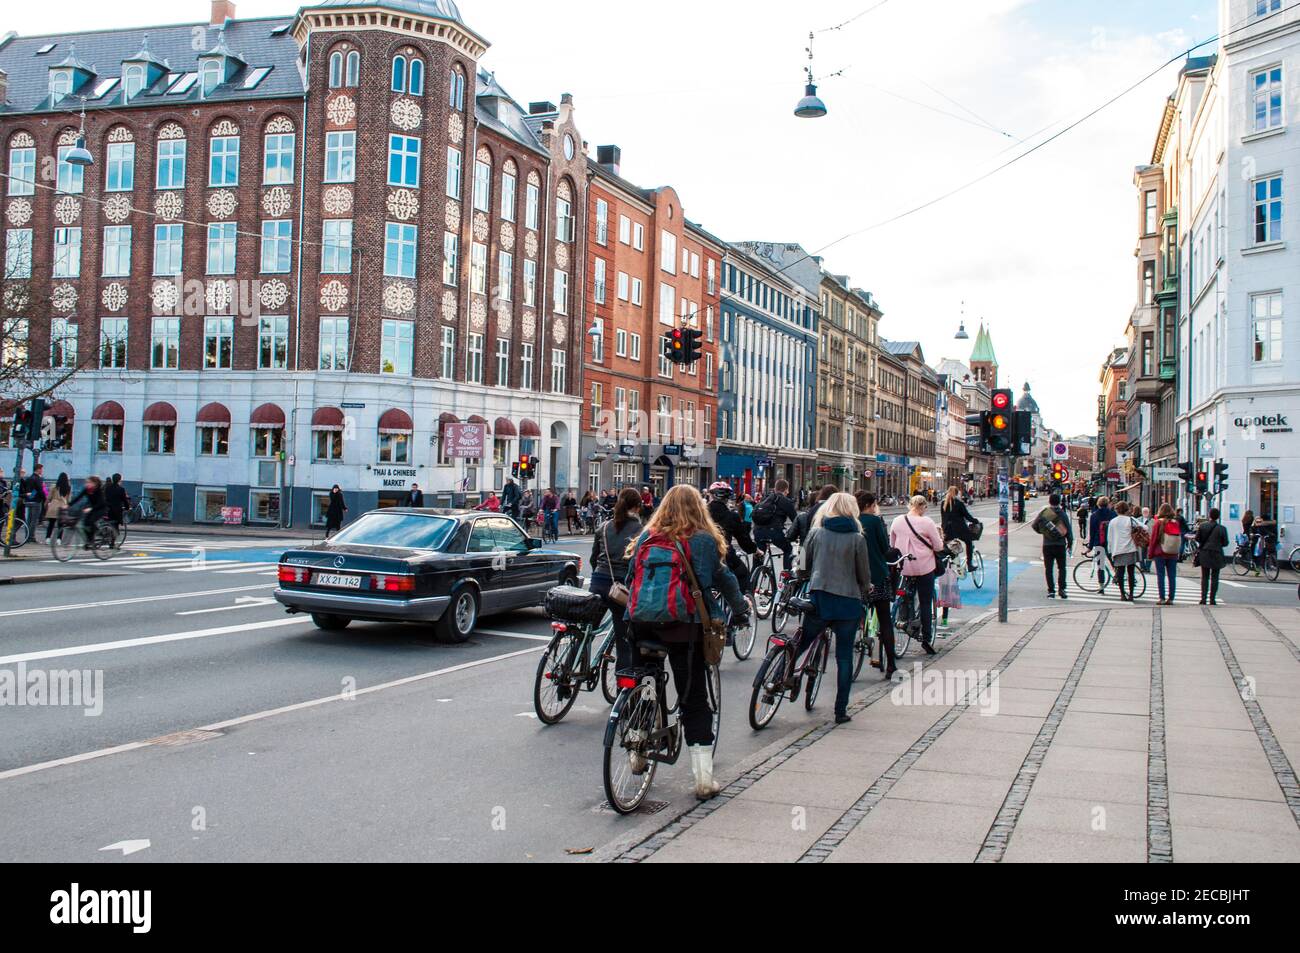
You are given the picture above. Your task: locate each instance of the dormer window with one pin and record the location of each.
(211, 76)
(60, 84)
(133, 80)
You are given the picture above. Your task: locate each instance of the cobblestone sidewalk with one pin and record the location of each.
(1100, 735)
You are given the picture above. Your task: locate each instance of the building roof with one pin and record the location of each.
(499, 111)
(790, 259)
(983, 352)
(1027, 402)
(955, 370)
(262, 43)
(438, 9)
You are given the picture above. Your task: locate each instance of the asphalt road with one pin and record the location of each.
(373, 743)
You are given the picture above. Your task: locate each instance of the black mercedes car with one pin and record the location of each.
(446, 567)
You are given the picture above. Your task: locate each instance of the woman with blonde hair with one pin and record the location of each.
(837, 562)
(680, 528)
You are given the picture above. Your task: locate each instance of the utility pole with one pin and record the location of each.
(1004, 518)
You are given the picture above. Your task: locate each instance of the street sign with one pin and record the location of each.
(1166, 474)
(1060, 451)
(1207, 448)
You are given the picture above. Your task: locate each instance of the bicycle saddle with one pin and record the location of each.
(801, 605)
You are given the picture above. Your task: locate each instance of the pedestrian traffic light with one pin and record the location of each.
(693, 351)
(1202, 482)
(514, 469)
(1220, 477)
(675, 345)
(980, 439)
(22, 424)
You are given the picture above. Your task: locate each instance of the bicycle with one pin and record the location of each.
(144, 511)
(764, 582)
(642, 731)
(864, 642)
(791, 586)
(569, 667)
(785, 669)
(1254, 553)
(740, 639)
(904, 612)
(21, 531)
(1293, 561)
(975, 571)
(1094, 575)
(71, 534)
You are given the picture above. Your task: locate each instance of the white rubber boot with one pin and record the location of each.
(702, 769)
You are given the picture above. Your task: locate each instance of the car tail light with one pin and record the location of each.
(626, 681)
(392, 583)
(294, 574)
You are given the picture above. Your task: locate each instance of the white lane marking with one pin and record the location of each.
(147, 640)
(135, 600)
(72, 759)
(129, 847)
(248, 568)
(514, 635)
(397, 683)
(203, 565)
(243, 602)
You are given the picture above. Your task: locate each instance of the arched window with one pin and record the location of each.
(399, 74)
(133, 80)
(509, 187)
(456, 89)
(354, 69)
(416, 85)
(336, 70)
(211, 76)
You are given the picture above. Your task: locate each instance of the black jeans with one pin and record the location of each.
(1210, 583)
(925, 600)
(1054, 558)
(690, 677)
(622, 645)
(768, 536)
(739, 570)
(1131, 571)
(884, 607)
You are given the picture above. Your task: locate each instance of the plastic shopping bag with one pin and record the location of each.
(949, 591)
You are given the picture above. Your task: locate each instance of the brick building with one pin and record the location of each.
(307, 245)
(645, 420)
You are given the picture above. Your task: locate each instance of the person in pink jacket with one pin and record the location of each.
(914, 534)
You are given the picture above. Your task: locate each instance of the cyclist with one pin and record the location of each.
(803, 522)
(770, 516)
(873, 529)
(117, 501)
(956, 521)
(551, 512)
(734, 530)
(914, 534)
(95, 509)
(838, 564)
(681, 518)
(1085, 511)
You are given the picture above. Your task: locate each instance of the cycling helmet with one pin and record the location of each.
(720, 490)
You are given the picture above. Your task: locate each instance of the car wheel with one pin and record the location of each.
(330, 623)
(458, 622)
(569, 577)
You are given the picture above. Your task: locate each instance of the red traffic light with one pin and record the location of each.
(1001, 399)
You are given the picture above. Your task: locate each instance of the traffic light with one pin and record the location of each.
(1202, 482)
(1220, 477)
(514, 469)
(675, 345)
(1058, 474)
(22, 424)
(525, 466)
(980, 439)
(1022, 436)
(691, 338)
(1188, 477)
(1001, 424)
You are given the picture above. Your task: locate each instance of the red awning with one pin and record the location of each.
(476, 419)
(266, 417)
(528, 428)
(60, 408)
(214, 415)
(395, 421)
(109, 412)
(504, 428)
(160, 413)
(327, 418)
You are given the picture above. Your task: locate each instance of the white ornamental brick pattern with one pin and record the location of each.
(452, 218)
(225, 128)
(280, 124)
(449, 307)
(16, 299)
(277, 202)
(455, 127)
(273, 294)
(172, 130)
(221, 204)
(117, 209)
(168, 205)
(337, 200)
(480, 227)
(19, 212)
(334, 296)
(559, 330)
(562, 254)
(477, 313)
(68, 137)
(22, 140)
(114, 296)
(121, 134)
(530, 244)
(64, 297)
(529, 325)
(399, 298)
(505, 321)
(220, 295)
(341, 110)
(67, 210)
(507, 236)
(403, 205)
(166, 295)
(406, 114)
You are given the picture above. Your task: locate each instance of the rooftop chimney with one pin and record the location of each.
(222, 10)
(539, 109)
(610, 157)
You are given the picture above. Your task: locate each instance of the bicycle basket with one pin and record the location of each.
(571, 604)
(976, 530)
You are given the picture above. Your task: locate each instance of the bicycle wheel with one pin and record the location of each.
(21, 534)
(121, 535)
(902, 636)
(1241, 564)
(977, 570)
(764, 590)
(820, 654)
(1270, 566)
(553, 690)
(743, 640)
(101, 546)
(1085, 576)
(769, 690)
(714, 685)
(1139, 584)
(64, 542)
(862, 643)
(780, 613)
(1293, 561)
(628, 772)
(609, 672)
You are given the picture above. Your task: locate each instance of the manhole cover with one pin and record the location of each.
(178, 738)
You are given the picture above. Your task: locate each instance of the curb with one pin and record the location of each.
(55, 577)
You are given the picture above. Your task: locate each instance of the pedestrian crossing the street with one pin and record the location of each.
(1186, 596)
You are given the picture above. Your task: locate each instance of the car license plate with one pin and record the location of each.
(334, 580)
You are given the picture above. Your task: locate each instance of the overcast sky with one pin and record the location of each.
(700, 96)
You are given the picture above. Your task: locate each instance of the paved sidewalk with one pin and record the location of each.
(1125, 734)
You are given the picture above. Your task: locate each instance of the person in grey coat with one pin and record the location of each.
(837, 560)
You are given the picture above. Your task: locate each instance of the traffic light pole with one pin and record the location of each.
(15, 497)
(1004, 519)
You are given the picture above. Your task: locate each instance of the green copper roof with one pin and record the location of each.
(983, 353)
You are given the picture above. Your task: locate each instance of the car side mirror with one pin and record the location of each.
(534, 544)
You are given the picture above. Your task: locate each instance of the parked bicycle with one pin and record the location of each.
(643, 731)
(1094, 574)
(21, 531)
(580, 657)
(787, 672)
(144, 511)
